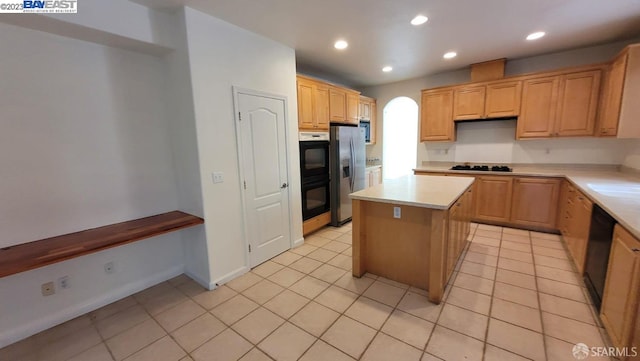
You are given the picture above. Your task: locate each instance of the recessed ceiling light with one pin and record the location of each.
(536, 35)
(387, 69)
(341, 44)
(450, 55)
(419, 20)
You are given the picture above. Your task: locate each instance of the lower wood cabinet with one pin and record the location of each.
(535, 201)
(459, 225)
(620, 298)
(574, 220)
(493, 198)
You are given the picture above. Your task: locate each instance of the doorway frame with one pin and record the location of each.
(236, 120)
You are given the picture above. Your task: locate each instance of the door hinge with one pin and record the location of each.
(249, 248)
(245, 184)
(239, 116)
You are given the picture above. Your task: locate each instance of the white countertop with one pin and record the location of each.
(437, 192)
(616, 192)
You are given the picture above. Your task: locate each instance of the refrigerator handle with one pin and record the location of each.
(353, 163)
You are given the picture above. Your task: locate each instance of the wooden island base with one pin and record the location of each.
(420, 248)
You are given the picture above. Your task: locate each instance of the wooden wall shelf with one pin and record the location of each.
(27, 256)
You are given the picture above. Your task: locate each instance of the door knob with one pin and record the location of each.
(284, 185)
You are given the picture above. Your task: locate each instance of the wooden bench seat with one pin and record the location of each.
(27, 256)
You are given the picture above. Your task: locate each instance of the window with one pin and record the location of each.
(399, 137)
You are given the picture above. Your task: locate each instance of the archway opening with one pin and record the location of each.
(399, 137)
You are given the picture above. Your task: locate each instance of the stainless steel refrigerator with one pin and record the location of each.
(347, 162)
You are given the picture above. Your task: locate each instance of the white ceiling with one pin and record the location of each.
(379, 33)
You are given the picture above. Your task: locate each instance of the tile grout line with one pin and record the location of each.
(493, 290)
(535, 276)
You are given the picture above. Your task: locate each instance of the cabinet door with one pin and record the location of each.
(322, 107)
(468, 103)
(365, 109)
(305, 104)
(503, 99)
(580, 223)
(436, 116)
(563, 206)
(535, 201)
(337, 105)
(373, 124)
(538, 110)
(619, 301)
(610, 112)
(635, 339)
(577, 103)
(353, 102)
(493, 198)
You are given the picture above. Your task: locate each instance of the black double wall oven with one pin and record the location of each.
(314, 173)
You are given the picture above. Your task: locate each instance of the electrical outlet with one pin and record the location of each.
(63, 282)
(109, 268)
(218, 177)
(396, 212)
(48, 289)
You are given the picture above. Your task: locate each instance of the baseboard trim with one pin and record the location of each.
(200, 281)
(229, 276)
(298, 242)
(14, 335)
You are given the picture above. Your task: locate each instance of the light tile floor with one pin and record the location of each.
(514, 296)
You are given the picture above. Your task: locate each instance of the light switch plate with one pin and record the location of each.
(396, 212)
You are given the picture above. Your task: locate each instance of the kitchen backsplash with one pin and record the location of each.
(494, 142)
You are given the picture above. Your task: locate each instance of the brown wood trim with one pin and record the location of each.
(313, 224)
(27, 256)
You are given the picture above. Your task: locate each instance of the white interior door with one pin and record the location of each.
(261, 124)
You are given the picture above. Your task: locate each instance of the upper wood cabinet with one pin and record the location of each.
(353, 105)
(436, 115)
(493, 198)
(374, 122)
(578, 103)
(337, 104)
(306, 100)
(322, 106)
(620, 297)
(538, 108)
(535, 201)
(343, 105)
(468, 102)
(560, 106)
(368, 113)
(619, 106)
(503, 99)
(313, 105)
(492, 100)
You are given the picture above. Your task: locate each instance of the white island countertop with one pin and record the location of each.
(436, 192)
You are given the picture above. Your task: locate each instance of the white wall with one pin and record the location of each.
(184, 142)
(632, 159)
(84, 142)
(494, 141)
(222, 55)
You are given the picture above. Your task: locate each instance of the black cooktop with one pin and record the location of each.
(483, 168)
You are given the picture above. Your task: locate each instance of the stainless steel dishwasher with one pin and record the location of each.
(598, 248)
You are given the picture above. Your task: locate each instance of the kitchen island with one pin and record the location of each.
(412, 230)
